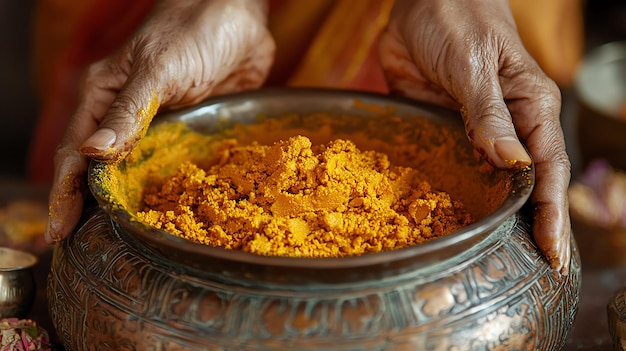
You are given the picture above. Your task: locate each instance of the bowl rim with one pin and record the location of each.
(20, 259)
(522, 186)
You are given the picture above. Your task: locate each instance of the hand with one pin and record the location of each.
(184, 52)
(468, 55)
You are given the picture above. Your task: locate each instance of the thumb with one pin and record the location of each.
(126, 121)
(489, 125)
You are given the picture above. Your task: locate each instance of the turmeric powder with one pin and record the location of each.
(297, 199)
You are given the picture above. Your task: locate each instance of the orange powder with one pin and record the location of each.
(297, 199)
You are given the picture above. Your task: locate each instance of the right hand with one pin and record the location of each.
(468, 54)
(183, 53)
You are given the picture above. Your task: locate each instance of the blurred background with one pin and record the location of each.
(595, 141)
(604, 21)
(18, 101)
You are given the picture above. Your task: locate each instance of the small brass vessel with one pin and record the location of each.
(17, 282)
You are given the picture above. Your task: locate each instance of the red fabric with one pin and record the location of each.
(105, 27)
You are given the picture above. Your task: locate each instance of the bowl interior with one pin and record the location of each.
(411, 134)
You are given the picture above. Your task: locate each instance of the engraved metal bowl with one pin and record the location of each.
(117, 282)
(17, 282)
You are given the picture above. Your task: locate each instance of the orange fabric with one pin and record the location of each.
(329, 43)
(343, 54)
(321, 43)
(294, 26)
(552, 32)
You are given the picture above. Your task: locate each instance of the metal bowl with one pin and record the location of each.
(119, 283)
(17, 282)
(220, 116)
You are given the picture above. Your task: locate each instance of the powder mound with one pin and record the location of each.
(301, 200)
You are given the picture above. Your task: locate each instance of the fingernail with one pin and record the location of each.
(512, 153)
(100, 141)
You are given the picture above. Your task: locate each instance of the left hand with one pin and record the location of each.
(468, 55)
(184, 52)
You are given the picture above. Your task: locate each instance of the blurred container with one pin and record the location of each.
(616, 311)
(17, 282)
(600, 87)
(598, 211)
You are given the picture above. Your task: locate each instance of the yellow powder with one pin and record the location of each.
(293, 198)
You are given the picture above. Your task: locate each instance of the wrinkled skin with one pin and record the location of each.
(462, 54)
(184, 52)
(468, 54)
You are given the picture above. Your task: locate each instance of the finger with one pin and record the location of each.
(66, 195)
(154, 84)
(69, 181)
(491, 128)
(551, 225)
(126, 120)
(537, 118)
(488, 122)
(551, 228)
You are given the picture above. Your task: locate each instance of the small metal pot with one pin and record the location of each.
(17, 282)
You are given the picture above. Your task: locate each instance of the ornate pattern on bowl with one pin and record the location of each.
(116, 282)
